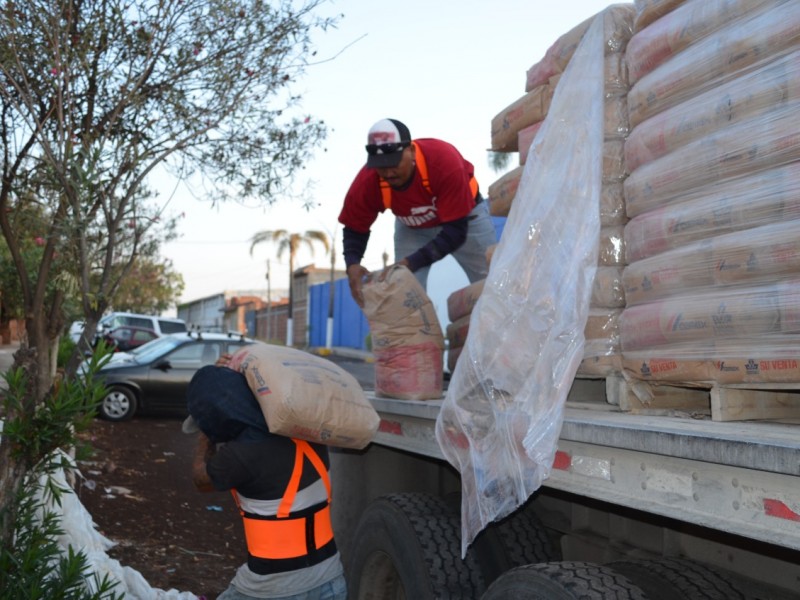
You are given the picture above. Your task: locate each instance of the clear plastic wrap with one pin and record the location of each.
(614, 169)
(721, 56)
(602, 332)
(685, 25)
(760, 142)
(616, 74)
(612, 205)
(616, 117)
(607, 291)
(502, 414)
(748, 257)
(755, 94)
(754, 200)
(612, 247)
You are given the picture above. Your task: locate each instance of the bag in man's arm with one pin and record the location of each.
(307, 397)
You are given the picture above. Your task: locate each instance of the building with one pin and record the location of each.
(226, 311)
(251, 313)
(271, 321)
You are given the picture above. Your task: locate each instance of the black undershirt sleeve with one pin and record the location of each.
(452, 235)
(355, 244)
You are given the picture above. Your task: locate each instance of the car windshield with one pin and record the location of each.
(158, 347)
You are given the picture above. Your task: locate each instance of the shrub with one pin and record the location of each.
(32, 564)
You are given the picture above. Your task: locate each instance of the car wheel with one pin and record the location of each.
(118, 404)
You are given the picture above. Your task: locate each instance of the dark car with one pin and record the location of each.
(126, 338)
(154, 377)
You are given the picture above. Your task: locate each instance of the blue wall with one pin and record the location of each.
(350, 327)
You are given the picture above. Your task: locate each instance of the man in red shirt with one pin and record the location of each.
(431, 190)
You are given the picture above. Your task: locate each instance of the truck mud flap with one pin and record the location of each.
(409, 546)
(563, 581)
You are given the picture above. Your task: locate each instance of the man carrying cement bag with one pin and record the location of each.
(281, 487)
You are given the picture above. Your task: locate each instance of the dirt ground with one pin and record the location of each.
(139, 491)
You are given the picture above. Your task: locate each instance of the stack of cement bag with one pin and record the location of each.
(514, 129)
(459, 310)
(712, 286)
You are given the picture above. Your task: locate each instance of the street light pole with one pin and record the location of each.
(269, 304)
(329, 329)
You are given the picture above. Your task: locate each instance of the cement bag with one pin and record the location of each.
(407, 339)
(462, 301)
(307, 397)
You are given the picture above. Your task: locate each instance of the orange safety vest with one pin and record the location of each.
(285, 536)
(422, 167)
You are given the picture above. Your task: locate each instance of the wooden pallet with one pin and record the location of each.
(739, 402)
(745, 401)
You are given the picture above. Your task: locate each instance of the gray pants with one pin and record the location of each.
(471, 255)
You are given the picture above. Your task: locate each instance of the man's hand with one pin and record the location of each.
(224, 360)
(355, 276)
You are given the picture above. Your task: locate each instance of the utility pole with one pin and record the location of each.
(329, 330)
(269, 304)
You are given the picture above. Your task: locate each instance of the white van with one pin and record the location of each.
(161, 325)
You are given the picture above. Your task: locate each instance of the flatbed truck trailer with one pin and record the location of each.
(691, 504)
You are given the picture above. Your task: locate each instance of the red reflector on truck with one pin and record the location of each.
(562, 461)
(776, 508)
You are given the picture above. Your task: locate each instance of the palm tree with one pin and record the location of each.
(291, 242)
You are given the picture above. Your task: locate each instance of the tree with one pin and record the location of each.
(150, 288)
(499, 161)
(290, 242)
(95, 95)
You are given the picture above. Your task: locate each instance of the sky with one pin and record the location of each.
(443, 67)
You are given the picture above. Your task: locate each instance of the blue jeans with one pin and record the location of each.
(471, 255)
(335, 589)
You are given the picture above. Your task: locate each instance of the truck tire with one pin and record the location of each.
(517, 540)
(409, 546)
(677, 579)
(563, 581)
